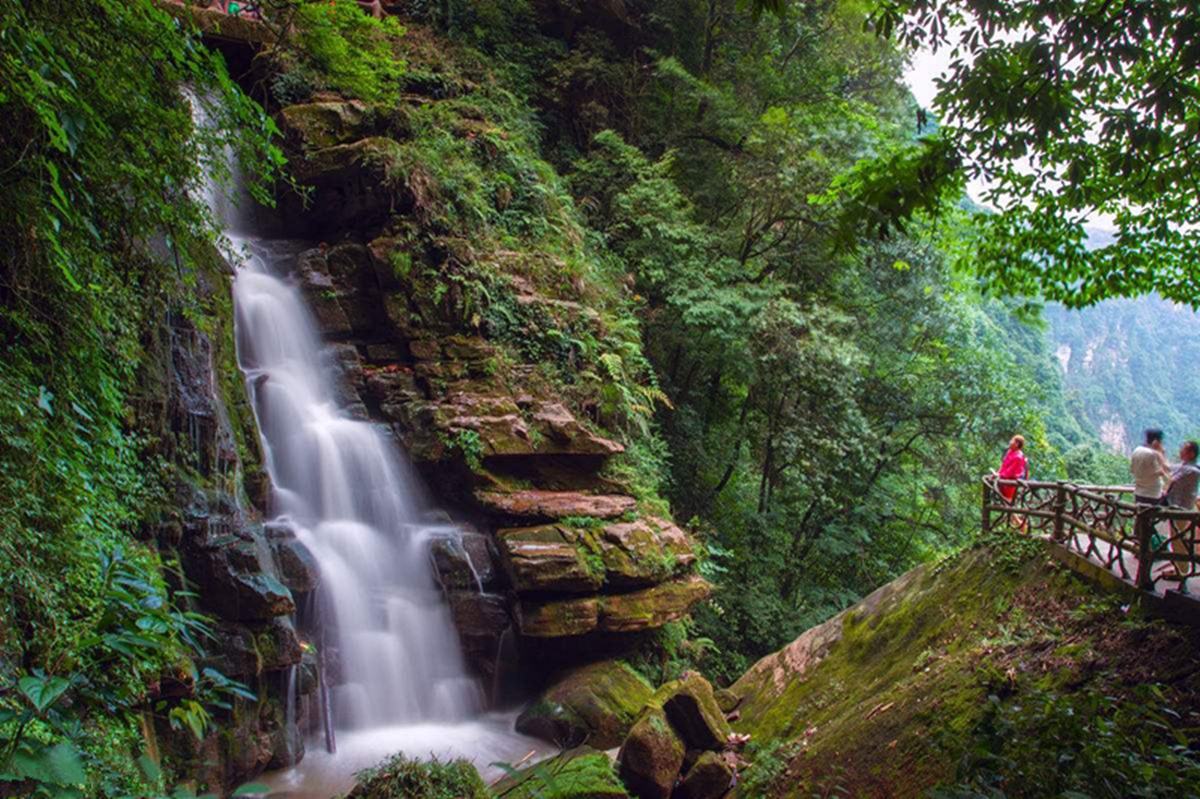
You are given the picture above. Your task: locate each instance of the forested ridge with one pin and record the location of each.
(672, 218)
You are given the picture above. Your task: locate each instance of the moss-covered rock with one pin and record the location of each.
(594, 705)
(315, 126)
(887, 698)
(558, 618)
(652, 607)
(581, 773)
(548, 558)
(651, 756)
(710, 777)
(635, 611)
(693, 712)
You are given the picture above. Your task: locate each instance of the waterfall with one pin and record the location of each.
(398, 677)
(352, 500)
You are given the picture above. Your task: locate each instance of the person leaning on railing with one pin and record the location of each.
(1181, 493)
(1149, 468)
(1015, 466)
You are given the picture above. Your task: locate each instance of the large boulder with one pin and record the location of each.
(651, 756)
(710, 777)
(693, 712)
(594, 705)
(317, 125)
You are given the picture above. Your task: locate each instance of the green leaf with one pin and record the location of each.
(54, 765)
(43, 692)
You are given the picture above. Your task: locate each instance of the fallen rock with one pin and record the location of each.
(594, 705)
(651, 756)
(710, 778)
(693, 711)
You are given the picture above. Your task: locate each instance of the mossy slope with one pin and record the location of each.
(886, 698)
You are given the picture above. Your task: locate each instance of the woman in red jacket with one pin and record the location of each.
(1015, 466)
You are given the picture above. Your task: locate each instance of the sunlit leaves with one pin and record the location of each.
(1066, 112)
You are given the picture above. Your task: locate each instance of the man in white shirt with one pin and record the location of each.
(1149, 468)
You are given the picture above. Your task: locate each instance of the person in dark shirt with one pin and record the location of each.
(1181, 493)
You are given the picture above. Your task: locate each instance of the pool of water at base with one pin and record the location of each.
(486, 740)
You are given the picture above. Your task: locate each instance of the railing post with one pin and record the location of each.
(1060, 506)
(986, 521)
(1143, 529)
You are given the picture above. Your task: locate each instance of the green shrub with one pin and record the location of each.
(346, 50)
(400, 777)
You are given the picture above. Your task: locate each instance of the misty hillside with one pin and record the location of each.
(1129, 364)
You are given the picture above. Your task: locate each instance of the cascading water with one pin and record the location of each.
(345, 488)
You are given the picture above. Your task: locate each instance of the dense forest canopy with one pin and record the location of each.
(1069, 112)
(813, 349)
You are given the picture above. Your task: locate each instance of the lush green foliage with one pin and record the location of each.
(827, 409)
(1078, 745)
(400, 777)
(334, 46)
(97, 240)
(1068, 111)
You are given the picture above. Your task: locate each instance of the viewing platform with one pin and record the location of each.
(1146, 551)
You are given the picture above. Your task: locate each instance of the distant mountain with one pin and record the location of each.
(1128, 365)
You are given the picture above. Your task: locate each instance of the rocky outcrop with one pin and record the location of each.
(554, 555)
(594, 705)
(245, 575)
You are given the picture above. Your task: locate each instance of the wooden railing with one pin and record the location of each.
(1151, 547)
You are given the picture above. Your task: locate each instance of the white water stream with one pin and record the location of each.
(399, 680)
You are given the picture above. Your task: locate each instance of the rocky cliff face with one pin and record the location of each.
(556, 553)
(248, 576)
